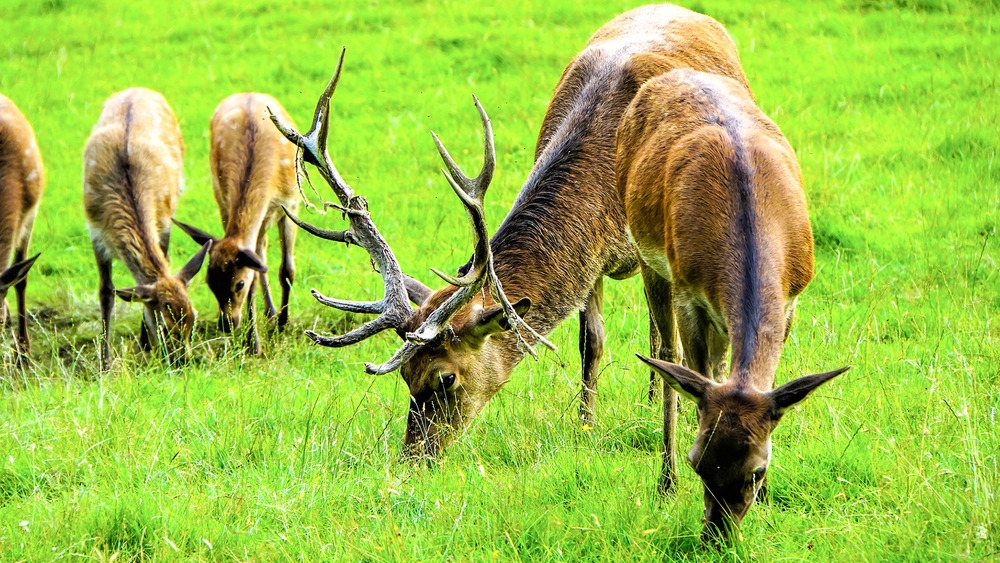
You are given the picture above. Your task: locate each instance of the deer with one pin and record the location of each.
(22, 179)
(132, 177)
(715, 203)
(564, 234)
(253, 178)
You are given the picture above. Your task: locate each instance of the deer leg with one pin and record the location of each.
(692, 324)
(265, 288)
(659, 299)
(23, 342)
(106, 297)
(253, 338)
(717, 345)
(654, 346)
(591, 348)
(286, 230)
(165, 243)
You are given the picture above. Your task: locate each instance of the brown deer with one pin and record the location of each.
(565, 232)
(132, 176)
(253, 177)
(21, 181)
(715, 204)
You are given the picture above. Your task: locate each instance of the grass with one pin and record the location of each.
(892, 108)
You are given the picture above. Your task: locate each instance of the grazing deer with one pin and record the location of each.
(565, 232)
(714, 200)
(132, 176)
(253, 177)
(21, 181)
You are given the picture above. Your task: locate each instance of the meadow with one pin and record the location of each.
(892, 107)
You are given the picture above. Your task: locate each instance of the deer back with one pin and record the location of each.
(715, 203)
(253, 166)
(132, 177)
(22, 178)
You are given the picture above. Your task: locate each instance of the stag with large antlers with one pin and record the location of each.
(565, 232)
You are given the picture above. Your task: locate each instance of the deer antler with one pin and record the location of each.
(472, 192)
(393, 309)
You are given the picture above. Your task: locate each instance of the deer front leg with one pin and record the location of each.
(591, 348)
(265, 287)
(253, 337)
(659, 299)
(106, 298)
(286, 230)
(23, 341)
(654, 347)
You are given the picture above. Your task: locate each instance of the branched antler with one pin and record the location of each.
(394, 308)
(472, 192)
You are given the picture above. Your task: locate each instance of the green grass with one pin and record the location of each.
(892, 108)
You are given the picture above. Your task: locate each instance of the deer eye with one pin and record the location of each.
(447, 380)
(758, 474)
(239, 285)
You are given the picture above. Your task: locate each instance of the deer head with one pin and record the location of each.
(167, 301)
(231, 268)
(732, 449)
(447, 359)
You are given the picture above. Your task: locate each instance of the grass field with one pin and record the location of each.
(892, 108)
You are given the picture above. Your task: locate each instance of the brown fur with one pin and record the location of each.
(22, 178)
(566, 229)
(133, 166)
(715, 204)
(253, 176)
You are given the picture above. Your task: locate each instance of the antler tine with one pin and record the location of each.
(336, 236)
(394, 308)
(472, 193)
(476, 187)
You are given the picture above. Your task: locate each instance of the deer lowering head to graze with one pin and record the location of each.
(564, 234)
(253, 176)
(715, 204)
(132, 176)
(21, 181)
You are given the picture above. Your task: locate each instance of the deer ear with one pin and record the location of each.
(139, 293)
(17, 272)
(416, 291)
(247, 258)
(687, 383)
(199, 236)
(187, 273)
(492, 321)
(793, 392)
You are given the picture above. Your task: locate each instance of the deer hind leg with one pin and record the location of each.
(286, 230)
(662, 346)
(106, 298)
(591, 348)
